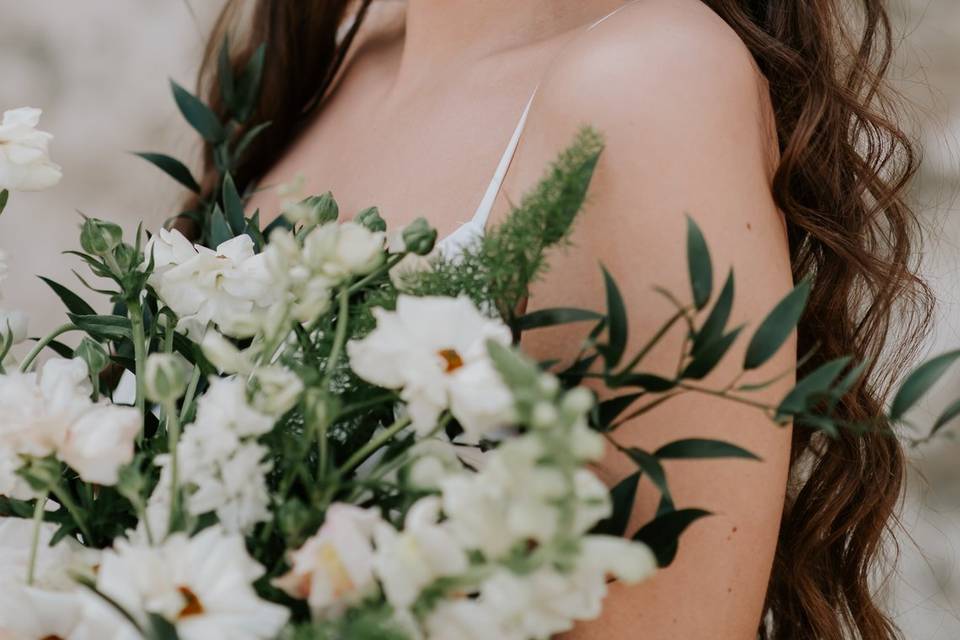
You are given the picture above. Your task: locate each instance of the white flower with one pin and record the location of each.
(24, 153)
(334, 569)
(278, 390)
(225, 355)
(16, 323)
(51, 606)
(101, 442)
(203, 286)
(548, 602)
(435, 350)
(51, 413)
(225, 403)
(464, 620)
(221, 466)
(407, 562)
(202, 585)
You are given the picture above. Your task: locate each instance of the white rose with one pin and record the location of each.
(24, 157)
(16, 322)
(101, 442)
(359, 250)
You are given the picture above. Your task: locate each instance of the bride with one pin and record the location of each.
(769, 123)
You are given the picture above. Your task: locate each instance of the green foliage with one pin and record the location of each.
(173, 168)
(919, 382)
(4, 198)
(498, 270)
(699, 265)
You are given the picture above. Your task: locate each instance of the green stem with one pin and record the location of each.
(391, 262)
(340, 337)
(38, 512)
(64, 498)
(43, 344)
(371, 447)
(727, 396)
(139, 353)
(191, 394)
(173, 440)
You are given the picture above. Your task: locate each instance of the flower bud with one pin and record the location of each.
(93, 353)
(14, 323)
(166, 378)
(419, 237)
(578, 401)
(100, 238)
(315, 209)
(370, 218)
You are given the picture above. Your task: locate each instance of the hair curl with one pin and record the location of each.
(844, 170)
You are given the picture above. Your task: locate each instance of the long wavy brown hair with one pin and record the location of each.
(844, 169)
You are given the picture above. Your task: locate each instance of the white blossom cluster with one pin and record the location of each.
(518, 501)
(25, 163)
(51, 413)
(222, 467)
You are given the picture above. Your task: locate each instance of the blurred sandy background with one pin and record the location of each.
(99, 69)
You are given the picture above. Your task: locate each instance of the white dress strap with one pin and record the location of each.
(490, 197)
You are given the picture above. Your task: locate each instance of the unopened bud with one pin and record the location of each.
(370, 218)
(99, 237)
(166, 378)
(93, 353)
(419, 237)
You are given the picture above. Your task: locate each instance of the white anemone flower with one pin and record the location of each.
(435, 350)
(51, 606)
(334, 569)
(202, 585)
(25, 163)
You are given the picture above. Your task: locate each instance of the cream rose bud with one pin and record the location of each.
(166, 377)
(101, 442)
(225, 355)
(359, 250)
(16, 323)
(24, 153)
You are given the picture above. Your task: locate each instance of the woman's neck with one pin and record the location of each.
(450, 34)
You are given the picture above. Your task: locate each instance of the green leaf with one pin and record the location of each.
(648, 381)
(248, 85)
(716, 323)
(710, 356)
(946, 417)
(697, 448)
(73, 302)
(699, 265)
(4, 199)
(225, 74)
(662, 535)
(103, 327)
(777, 327)
(609, 410)
(199, 115)
(220, 231)
(919, 382)
(811, 389)
(554, 317)
(172, 167)
(158, 628)
(60, 349)
(650, 465)
(252, 229)
(622, 498)
(233, 205)
(516, 370)
(616, 322)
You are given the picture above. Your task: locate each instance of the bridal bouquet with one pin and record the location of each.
(325, 428)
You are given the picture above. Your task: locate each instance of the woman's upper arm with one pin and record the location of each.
(685, 119)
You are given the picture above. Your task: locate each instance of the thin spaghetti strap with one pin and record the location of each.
(490, 197)
(482, 214)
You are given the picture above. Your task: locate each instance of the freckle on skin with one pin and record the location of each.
(734, 529)
(749, 227)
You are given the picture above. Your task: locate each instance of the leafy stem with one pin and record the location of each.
(43, 344)
(371, 447)
(38, 512)
(135, 312)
